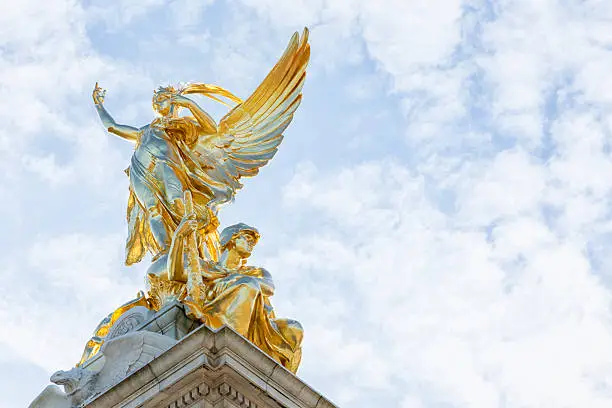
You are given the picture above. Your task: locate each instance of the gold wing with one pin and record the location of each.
(249, 135)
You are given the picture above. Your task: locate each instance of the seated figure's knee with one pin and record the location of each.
(295, 324)
(250, 283)
(291, 330)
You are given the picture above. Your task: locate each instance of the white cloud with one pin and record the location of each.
(510, 185)
(466, 268)
(451, 308)
(58, 290)
(50, 144)
(123, 12)
(494, 302)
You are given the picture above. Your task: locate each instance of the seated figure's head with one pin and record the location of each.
(240, 238)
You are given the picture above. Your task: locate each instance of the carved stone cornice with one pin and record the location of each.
(229, 392)
(210, 369)
(195, 394)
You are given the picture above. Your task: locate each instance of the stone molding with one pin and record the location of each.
(210, 369)
(229, 392)
(193, 395)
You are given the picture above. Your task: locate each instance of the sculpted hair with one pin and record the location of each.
(185, 128)
(210, 91)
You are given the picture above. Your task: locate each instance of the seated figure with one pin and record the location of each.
(238, 296)
(232, 293)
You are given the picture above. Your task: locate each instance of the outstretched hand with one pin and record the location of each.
(98, 95)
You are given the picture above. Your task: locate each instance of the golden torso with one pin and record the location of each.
(153, 145)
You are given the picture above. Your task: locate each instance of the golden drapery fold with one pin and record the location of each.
(239, 301)
(189, 170)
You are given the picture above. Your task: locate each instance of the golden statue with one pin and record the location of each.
(182, 170)
(238, 295)
(178, 153)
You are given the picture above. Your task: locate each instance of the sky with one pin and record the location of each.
(438, 216)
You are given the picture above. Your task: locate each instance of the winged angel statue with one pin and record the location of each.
(184, 167)
(174, 154)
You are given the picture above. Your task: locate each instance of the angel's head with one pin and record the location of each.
(240, 238)
(162, 100)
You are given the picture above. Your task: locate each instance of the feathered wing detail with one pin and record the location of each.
(250, 133)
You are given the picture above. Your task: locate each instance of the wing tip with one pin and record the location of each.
(305, 34)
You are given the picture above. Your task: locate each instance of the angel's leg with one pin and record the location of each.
(173, 188)
(173, 191)
(151, 203)
(158, 228)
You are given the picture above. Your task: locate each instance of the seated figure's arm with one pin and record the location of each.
(267, 285)
(177, 257)
(210, 270)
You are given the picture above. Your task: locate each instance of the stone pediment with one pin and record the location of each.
(172, 361)
(206, 369)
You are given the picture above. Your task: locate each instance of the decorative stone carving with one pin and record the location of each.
(124, 319)
(78, 384)
(235, 396)
(128, 322)
(193, 395)
(120, 357)
(204, 369)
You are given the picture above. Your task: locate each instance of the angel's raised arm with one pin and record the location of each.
(124, 131)
(205, 121)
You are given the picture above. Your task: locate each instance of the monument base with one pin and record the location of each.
(171, 361)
